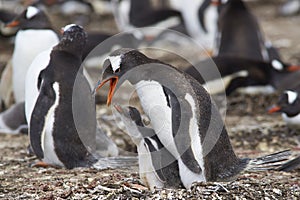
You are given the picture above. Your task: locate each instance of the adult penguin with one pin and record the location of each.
(182, 114)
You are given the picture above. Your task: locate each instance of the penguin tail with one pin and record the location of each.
(116, 162)
(269, 162)
(290, 165)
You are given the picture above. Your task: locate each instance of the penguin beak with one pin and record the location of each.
(118, 108)
(293, 68)
(13, 24)
(112, 86)
(215, 3)
(274, 109)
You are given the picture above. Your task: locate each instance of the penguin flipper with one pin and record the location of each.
(43, 104)
(290, 165)
(115, 162)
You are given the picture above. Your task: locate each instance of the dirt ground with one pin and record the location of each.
(252, 131)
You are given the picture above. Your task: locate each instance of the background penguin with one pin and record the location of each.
(157, 166)
(252, 75)
(131, 14)
(34, 36)
(289, 105)
(178, 106)
(200, 19)
(63, 122)
(239, 33)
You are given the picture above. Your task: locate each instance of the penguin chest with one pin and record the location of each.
(155, 105)
(48, 140)
(28, 45)
(146, 169)
(293, 122)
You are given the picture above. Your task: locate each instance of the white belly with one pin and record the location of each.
(293, 122)
(50, 156)
(28, 45)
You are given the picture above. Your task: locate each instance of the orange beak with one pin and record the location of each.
(112, 87)
(118, 108)
(12, 24)
(274, 109)
(215, 3)
(293, 68)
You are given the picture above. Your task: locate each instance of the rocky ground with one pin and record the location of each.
(252, 131)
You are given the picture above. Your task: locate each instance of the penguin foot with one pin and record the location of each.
(43, 164)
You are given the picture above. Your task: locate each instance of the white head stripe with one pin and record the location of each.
(68, 26)
(277, 65)
(115, 62)
(31, 11)
(292, 96)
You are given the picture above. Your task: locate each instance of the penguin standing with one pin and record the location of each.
(63, 122)
(34, 36)
(239, 33)
(157, 166)
(182, 115)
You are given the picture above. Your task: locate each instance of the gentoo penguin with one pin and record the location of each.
(200, 18)
(5, 17)
(157, 166)
(244, 73)
(289, 105)
(239, 33)
(63, 122)
(182, 115)
(34, 36)
(131, 14)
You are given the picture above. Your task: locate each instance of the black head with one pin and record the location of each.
(130, 113)
(288, 103)
(73, 40)
(117, 64)
(31, 18)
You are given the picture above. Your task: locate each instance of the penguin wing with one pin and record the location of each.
(180, 123)
(44, 102)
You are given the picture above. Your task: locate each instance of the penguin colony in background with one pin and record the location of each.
(187, 141)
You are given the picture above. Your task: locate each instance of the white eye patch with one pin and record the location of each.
(292, 96)
(68, 26)
(277, 65)
(115, 62)
(31, 12)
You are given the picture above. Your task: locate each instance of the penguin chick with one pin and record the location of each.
(182, 114)
(157, 166)
(63, 121)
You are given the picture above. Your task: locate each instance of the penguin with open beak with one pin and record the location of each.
(182, 115)
(157, 166)
(289, 105)
(63, 122)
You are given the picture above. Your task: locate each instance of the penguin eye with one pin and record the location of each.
(118, 70)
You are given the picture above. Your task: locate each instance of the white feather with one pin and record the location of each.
(47, 142)
(115, 62)
(292, 96)
(31, 12)
(28, 44)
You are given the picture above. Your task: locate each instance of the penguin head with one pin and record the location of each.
(116, 65)
(288, 103)
(73, 39)
(279, 66)
(31, 18)
(131, 117)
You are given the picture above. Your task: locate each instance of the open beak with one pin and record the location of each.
(293, 68)
(112, 86)
(118, 108)
(274, 109)
(13, 24)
